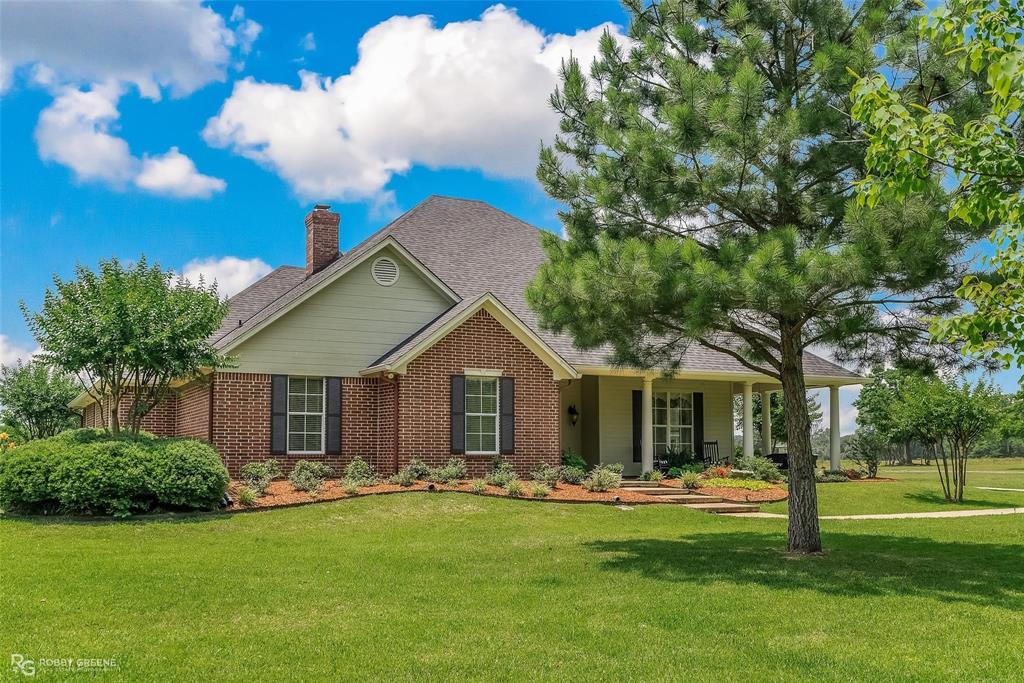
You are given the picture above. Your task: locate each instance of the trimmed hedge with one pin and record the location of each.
(86, 471)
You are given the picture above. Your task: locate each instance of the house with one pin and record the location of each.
(418, 343)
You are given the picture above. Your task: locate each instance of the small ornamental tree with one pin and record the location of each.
(707, 171)
(128, 331)
(950, 418)
(920, 139)
(34, 399)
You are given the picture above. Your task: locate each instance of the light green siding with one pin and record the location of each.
(615, 415)
(346, 326)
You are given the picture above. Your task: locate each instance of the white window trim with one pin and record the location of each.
(497, 412)
(322, 414)
(668, 412)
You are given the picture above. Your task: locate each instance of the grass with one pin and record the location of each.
(437, 586)
(917, 489)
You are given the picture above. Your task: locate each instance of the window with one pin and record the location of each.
(673, 421)
(305, 415)
(481, 415)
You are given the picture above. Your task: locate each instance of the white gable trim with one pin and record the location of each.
(488, 302)
(389, 241)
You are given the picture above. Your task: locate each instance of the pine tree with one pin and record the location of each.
(706, 170)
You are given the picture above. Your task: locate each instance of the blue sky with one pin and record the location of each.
(200, 134)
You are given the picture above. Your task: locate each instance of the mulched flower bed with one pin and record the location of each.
(736, 495)
(281, 493)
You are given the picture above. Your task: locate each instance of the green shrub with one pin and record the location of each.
(87, 471)
(360, 473)
(351, 486)
(418, 468)
(501, 473)
(654, 475)
(603, 478)
(675, 472)
(450, 473)
(830, 476)
(571, 459)
(615, 467)
(258, 475)
(246, 496)
(186, 473)
(25, 474)
(309, 476)
(478, 486)
(540, 491)
(403, 477)
(763, 468)
(514, 489)
(573, 475)
(546, 474)
(679, 457)
(690, 480)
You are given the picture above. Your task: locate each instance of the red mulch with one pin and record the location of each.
(281, 492)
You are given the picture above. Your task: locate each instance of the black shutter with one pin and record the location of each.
(698, 425)
(458, 414)
(333, 415)
(638, 417)
(507, 401)
(278, 414)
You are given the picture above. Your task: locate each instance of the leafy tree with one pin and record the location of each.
(951, 418)
(34, 400)
(865, 448)
(875, 410)
(778, 416)
(916, 142)
(706, 170)
(128, 331)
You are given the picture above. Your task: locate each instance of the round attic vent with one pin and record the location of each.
(385, 271)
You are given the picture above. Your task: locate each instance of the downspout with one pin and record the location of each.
(209, 425)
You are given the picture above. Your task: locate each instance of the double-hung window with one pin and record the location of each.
(673, 421)
(481, 415)
(305, 415)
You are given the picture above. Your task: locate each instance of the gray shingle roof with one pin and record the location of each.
(473, 248)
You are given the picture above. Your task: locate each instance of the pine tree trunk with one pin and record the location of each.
(804, 533)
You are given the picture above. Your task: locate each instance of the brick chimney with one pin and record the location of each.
(321, 237)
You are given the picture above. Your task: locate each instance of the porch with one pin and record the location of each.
(628, 417)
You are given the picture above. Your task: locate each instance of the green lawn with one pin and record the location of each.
(438, 586)
(917, 489)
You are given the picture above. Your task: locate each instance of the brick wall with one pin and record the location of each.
(192, 418)
(424, 396)
(241, 422)
(159, 420)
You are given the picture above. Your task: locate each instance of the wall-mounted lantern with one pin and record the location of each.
(574, 415)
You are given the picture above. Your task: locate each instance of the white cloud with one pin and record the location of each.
(180, 46)
(308, 42)
(231, 274)
(470, 94)
(11, 353)
(175, 174)
(76, 131)
(847, 411)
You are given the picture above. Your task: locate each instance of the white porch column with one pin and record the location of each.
(748, 418)
(766, 423)
(647, 439)
(833, 427)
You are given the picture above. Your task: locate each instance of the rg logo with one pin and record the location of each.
(25, 666)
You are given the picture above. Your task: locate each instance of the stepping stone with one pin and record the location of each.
(654, 491)
(684, 498)
(720, 508)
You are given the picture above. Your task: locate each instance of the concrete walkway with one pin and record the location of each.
(902, 515)
(997, 488)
